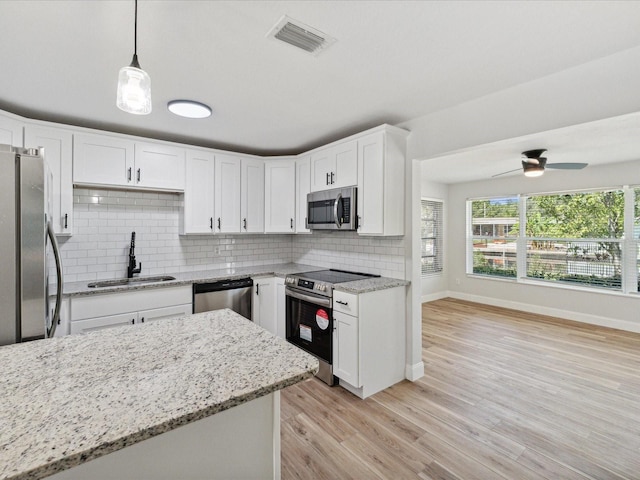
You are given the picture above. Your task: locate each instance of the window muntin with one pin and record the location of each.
(431, 233)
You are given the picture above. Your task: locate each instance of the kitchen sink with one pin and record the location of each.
(130, 281)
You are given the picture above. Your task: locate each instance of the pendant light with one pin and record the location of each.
(134, 84)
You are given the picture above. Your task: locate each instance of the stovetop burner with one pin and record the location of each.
(321, 281)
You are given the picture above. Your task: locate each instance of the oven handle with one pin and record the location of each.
(322, 301)
(335, 211)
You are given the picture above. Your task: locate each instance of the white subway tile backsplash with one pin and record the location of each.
(104, 220)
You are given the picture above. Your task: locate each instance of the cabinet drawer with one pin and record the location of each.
(345, 303)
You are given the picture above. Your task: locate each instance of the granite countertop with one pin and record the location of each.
(279, 270)
(67, 400)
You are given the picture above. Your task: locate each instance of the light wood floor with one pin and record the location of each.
(506, 395)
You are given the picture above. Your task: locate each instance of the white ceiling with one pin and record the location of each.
(393, 61)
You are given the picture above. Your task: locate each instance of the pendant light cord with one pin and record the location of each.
(135, 29)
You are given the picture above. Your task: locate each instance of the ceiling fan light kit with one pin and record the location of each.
(134, 84)
(534, 164)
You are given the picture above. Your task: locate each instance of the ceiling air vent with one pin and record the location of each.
(300, 35)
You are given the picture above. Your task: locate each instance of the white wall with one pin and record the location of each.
(596, 90)
(435, 286)
(616, 310)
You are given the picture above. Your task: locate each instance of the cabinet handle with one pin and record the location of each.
(133, 320)
(219, 224)
(327, 178)
(257, 289)
(358, 221)
(342, 303)
(142, 319)
(332, 174)
(291, 224)
(244, 223)
(211, 223)
(66, 218)
(139, 175)
(129, 175)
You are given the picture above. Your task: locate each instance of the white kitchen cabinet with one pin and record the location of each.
(263, 303)
(11, 131)
(111, 161)
(369, 339)
(280, 195)
(227, 194)
(99, 311)
(198, 212)
(281, 308)
(159, 166)
(303, 187)
(252, 195)
(381, 178)
(58, 153)
(335, 166)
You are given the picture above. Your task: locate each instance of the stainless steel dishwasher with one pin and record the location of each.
(233, 294)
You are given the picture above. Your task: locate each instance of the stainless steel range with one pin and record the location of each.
(309, 317)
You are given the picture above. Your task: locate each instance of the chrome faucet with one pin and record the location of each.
(131, 268)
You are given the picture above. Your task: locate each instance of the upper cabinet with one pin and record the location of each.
(335, 166)
(280, 195)
(381, 177)
(119, 162)
(198, 213)
(303, 187)
(58, 153)
(227, 194)
(252, 195)
(11, 131)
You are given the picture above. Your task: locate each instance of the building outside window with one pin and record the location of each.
(431, 233)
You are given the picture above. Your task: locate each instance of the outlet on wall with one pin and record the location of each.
(458, 282)
(216, 250)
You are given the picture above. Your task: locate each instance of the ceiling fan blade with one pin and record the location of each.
(567, 166)
(504, 173)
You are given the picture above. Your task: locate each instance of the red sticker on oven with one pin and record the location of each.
(322, 319)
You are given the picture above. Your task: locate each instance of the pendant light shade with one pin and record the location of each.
(134, 84)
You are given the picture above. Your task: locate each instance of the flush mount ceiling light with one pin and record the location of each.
(189, 109)
(134, 84)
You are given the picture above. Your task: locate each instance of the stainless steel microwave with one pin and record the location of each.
(332, 209)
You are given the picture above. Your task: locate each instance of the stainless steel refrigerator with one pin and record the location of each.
(28, 309)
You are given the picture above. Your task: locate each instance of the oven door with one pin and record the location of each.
(309, 320)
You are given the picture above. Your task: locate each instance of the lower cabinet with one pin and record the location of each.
(100, 311)
(263, 303)
(369, 339)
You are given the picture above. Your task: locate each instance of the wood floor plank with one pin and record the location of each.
(506, 395)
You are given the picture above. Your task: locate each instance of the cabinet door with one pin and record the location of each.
(227, 194)
(345, 172)
(198, 192)
(371, 184)
(58, 151)
(159, 166)
(145, 316)
(11, 132)
(346, 351)
(263, 307)
(281, 308)
(280, 196)
(252, 191)
(102, 160)
(303, 187)
(100, 323)
(322, 164)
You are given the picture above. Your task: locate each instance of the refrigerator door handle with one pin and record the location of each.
(56, 253)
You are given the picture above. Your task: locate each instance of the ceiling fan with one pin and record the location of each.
(533, 164)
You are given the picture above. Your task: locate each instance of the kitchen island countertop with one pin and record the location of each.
(65, 401)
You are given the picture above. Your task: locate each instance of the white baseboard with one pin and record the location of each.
(414, 372)
(553, 312)
(434, 296)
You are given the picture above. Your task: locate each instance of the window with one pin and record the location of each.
(494, 230)
(575, 238)
(431, 232)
